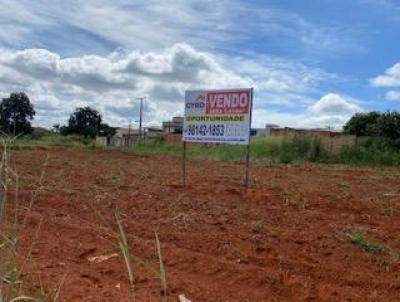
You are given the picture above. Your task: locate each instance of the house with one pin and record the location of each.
(153, 132)
(122, 137)
(269, 127)
(257, 132)
(125, 137)
(173, 127)
(38, 132)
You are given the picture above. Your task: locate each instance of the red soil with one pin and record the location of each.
(283, 239)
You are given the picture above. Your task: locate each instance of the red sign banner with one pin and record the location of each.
(228, 102)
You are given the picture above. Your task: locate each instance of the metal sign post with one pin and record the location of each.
(248, 149)
(184, 164)
(247, 177)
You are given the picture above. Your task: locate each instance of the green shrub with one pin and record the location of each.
(52, 140)
(269, 150)
(371, 151)
(265, 149)
(360, 240)
(301, 149)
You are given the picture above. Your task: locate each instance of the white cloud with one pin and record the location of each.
(391, 78)
(334, 104)
(273, 74)
(154, 25)
(112, 83)
(393, 95)
(151, 61)
(390, 5)
(36, 62)
(331, 110)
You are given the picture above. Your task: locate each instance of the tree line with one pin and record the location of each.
(376, 125)
(17, 113)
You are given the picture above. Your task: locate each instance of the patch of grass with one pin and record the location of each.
(360, 240)
(157, 148)
(301, 149)
(389, 209)
(258, 227)
(11, 285)
(268, 150)
(371, 151)
(127, 256)
(295, 198)
(52, 140)
(296, 149)
(163, 278)
(396, 254)
(117, 180)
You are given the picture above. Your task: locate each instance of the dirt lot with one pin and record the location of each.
(284, 239)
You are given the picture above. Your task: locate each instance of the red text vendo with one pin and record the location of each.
(227, 102)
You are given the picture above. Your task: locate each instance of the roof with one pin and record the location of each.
(154, 129)
(126, 131)
(309, 129)
(271, 126)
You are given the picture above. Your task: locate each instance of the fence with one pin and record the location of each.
(331, 141)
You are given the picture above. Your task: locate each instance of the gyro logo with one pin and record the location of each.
(228, 102)
(199, 103)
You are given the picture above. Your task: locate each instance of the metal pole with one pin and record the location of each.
(247, 180)
(140, 118)
(247, 177)
(129, 134)
(184, 164)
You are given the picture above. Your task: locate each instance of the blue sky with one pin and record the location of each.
(313, 63)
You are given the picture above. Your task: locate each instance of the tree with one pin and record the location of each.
(84, 121)
(383, 128)
(107, 130)
(16, 112)
(363, 124)
(388, 125)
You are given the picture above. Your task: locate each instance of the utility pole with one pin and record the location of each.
(129, 134)
(141, 117)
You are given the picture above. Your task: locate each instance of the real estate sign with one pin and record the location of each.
(218, 116)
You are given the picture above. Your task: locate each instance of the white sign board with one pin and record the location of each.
(218, 116)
